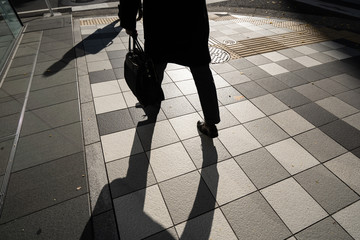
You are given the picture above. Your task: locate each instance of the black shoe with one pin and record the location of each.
(209, 130)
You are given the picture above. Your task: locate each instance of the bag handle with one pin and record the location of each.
(135, 44)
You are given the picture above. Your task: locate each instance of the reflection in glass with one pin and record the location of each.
(10, 28)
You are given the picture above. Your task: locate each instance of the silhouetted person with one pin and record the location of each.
(178, 32)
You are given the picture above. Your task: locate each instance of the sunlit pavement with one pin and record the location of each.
(285, 165)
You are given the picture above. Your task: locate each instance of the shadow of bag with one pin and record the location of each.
(140, 75)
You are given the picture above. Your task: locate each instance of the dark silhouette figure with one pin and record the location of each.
(178, 32)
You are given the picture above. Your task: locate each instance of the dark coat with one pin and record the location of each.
(174, 31)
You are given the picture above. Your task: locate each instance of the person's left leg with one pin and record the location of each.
(205, 85)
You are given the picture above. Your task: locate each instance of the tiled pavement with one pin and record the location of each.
(285, 165)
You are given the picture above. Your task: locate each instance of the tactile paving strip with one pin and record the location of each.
(95, 21)
(261, 45)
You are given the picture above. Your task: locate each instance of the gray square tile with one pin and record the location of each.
(255, 73)
(250, 89)
(347, 80)
(272, 84)
(266, 131)
(157, 134)
(337, 107)
(326, 189)
(291, 79)
(115, 121)
(104, 226)
(320, 145)
(315, 114)
(204, 151)
(321, 57)
(292, 156)
(331, 86)
(47, 185)
(291, 98)
(324, 230)
(48, 117)
(15, 87)
(329, 69)
(171, 90)
(117, 62)
(290, 65)
(5, 149)
(9, 125)
(195, 101)
(290, 53)
(309, 74)
(187, 196)
(346, 167)
(261, 167)
(350, 97)
(21, 61)
(117, 54)
(319, 47)
(229, 95)
(343, 133)
(245, 111)
(147, 218)
(187, 87)
(227, 119)
(141, 117)
(269, 104)
(211, 225)
(222, 68)
(235, 77)
(73, 214)
(231, 137)
(53, 95)
(258, 60)
(185, 126)
(119, 73)
(63, 77)
(21, 66)
(51, 67)
(58, 54)
(102, 76)
(241, 63)
(176, 107)
(293, 204)
(170, 161)
(312, 92)
(169, 233)
(252, 217)
(227, 181)
(353, 120)
(129, 175)
(34, 149)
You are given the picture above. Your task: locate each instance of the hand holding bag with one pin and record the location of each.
(140, 75)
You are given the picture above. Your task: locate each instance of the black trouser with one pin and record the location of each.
(205, 86)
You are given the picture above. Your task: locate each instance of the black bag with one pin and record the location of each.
(140, 75)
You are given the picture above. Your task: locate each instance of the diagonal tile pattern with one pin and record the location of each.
(285, 165)
(278, 145)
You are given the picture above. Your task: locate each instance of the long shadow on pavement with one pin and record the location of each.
(105, 35)
(132, 220)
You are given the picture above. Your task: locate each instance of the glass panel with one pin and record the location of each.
(10, 17)
(10, 28)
